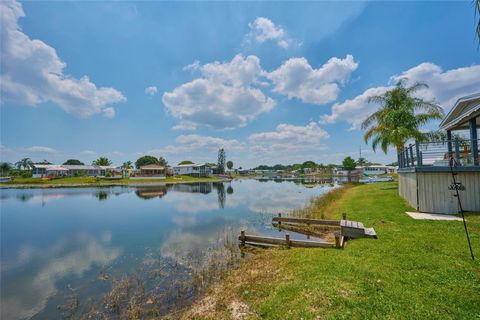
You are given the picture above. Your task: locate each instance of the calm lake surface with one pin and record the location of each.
(55, 241)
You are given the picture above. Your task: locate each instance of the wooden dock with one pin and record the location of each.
(347, 230)
(286, 242)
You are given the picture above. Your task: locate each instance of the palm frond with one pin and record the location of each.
(369, 133)
(415, 87)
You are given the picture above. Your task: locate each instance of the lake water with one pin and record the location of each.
(58, 241)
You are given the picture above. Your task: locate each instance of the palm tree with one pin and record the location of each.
(102, 161)
(25, 163)
(399, 117)
(5, 168)
(127, 165)
(477, 4)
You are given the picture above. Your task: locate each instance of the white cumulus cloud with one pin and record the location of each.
(288, 138)
(263, 29)
(445, 87)
(32, 73)
(296, 78)
(224, 97)
(151, 91)
(194, 142)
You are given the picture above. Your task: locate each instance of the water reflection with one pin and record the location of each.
(83, 230)
(151, 192)
(69, 257)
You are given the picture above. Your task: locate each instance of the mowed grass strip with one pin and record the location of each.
(417, 269)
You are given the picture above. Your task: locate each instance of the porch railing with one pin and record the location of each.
(438, 153)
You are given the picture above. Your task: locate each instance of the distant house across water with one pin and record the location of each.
(151, 171)
(55, 170)
(195, 170)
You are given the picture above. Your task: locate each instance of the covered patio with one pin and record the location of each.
(424, 167)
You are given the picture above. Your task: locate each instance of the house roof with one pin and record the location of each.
(56, 168)
(152, 167)
(465, 109)
(81, 167)
(46, 166)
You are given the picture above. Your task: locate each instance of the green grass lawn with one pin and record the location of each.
(98, 181)
(417, 269)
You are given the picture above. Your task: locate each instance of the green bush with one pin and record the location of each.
(26, 174)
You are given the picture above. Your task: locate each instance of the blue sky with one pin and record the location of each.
(271, 82)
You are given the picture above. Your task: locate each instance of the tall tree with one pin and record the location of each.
(73, 162)
(362, 161)
(25, 163)
(309, 164)
(5, 168)
(185, 162)
(349, 164)
(102, 161)
(162, 162)
(229, 164)
(145, 160)
(221, 161)
(399, 117)
(127, 165)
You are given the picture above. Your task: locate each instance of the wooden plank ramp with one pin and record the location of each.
(349, 229)
(355, 229)
(284, 242)
(281, 219)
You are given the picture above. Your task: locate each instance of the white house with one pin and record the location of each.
(197, 170)
(378, 169)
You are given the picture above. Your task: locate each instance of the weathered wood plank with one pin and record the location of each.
(283, 242)
(307, 221)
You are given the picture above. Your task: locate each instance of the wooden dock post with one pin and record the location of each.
(337, 239)
(242, 236)
(287, 240)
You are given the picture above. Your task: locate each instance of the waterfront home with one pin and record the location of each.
(317, 171)
(342, 172)
(55, 170)
(84, 170)
(40, 170)
(378, 169)
(151, 171)
(424, 175)
(196, 170)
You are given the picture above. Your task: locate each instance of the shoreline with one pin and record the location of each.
(306, 283)
(106, 184)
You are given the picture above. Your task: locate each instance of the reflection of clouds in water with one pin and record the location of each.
(187, 205)
(262, 198)
(28, 297)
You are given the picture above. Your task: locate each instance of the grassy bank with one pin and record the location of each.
(417, 269)
(92, 181)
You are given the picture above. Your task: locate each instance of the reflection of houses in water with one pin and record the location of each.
(201, 187)
(151, 192)
(316, 180)
(205, 188)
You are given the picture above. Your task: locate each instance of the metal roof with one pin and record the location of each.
(152, 167)
(465, 109)
(81, 167)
